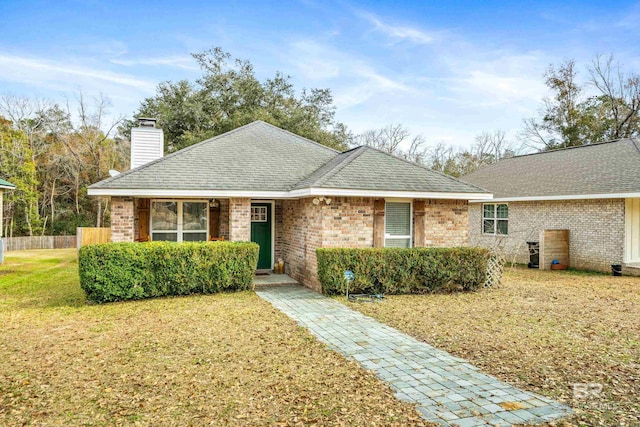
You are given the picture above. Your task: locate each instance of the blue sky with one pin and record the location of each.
(448, 70)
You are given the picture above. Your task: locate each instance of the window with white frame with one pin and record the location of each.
(397, 225)
(258, 214)
(179, 221)
(495, 218)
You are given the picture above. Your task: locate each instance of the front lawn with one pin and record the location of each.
(542, 331)
(227, 359)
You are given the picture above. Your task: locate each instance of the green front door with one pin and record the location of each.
(261, 232)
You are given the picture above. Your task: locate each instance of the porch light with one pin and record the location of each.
(317, 200)
(213, 203)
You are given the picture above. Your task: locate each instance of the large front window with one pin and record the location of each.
(179, 221)
(397, 225)
(495, 218)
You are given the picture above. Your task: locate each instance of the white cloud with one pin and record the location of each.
(353, 79)
(49, 73)
(498, 79)
(59, 80)
(399, 32)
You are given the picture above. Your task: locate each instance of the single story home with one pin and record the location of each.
(593, 191)
(289, 194)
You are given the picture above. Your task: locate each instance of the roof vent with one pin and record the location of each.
(147, 142)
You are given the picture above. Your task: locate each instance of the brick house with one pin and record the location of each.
(287, 193)
(593, 191)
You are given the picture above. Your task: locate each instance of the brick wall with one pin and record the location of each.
(122, 219)
(596, 229)
(240, 219)
(301, 236)
(348, 223)
(446, 223)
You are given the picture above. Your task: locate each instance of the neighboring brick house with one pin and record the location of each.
(287, 193)
(593, 191)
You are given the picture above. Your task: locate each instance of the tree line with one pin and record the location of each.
(52, 152)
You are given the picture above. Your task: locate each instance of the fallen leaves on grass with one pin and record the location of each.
(541, 331)
(228, 359)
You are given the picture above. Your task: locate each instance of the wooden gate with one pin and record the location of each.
(93, 235)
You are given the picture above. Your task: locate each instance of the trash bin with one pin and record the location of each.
(534, 254)
(616, 270)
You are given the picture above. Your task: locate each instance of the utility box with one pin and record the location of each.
(534, 254)
(554, 245)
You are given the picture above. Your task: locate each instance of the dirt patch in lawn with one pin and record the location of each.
(543, 332)
(227, 359)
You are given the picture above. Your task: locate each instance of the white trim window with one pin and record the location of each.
(398, 226)
(179, 220)
(495, 218)
(258, 214)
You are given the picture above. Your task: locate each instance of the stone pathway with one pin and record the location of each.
(448, 390)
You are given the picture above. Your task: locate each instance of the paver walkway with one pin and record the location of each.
(447, 389)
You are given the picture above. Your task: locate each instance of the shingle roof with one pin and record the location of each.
(6, 185)
(258, 157)
(365, 168)
(262, 157)
(606, 168)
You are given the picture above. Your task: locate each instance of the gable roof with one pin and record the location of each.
(6, 185)
(605, 170)
(261, 160)
(366, 168)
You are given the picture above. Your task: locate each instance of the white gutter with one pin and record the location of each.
(307, 192)
(159, 192)
(564, 197)
(388, 193)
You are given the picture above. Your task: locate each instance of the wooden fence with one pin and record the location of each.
(38, 242)
(92, 235)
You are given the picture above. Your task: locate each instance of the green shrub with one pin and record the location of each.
(402, 271)
(124, 271)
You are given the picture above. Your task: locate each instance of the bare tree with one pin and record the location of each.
(571, 117)
(26, 116)
(396, 139)
(619, 99)
(91, 147)
(490, 147)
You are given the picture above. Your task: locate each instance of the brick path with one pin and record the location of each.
(448, 390)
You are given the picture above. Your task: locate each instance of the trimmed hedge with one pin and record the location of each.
(124, 271)
(402, 271)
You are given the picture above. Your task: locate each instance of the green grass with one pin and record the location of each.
(225, 359)
(39, 279)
